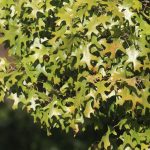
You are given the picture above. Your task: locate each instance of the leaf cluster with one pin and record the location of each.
(80, 63)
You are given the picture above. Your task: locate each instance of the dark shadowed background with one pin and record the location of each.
(18, 132)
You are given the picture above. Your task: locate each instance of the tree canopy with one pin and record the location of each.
(80, 63)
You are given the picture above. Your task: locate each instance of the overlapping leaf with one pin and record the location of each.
(72, 58)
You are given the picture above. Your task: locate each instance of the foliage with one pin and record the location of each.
(80, 63)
